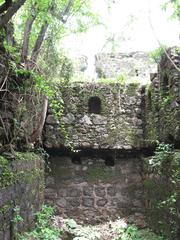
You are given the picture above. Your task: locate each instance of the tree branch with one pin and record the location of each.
(4, 19)
(5, 6)
(42, 33)
(37, 133)
(38, 43)
(66, 11)
(27, 31)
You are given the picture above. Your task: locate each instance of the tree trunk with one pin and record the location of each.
(27, 31)
(38, 43)
(9, 34)
(4, 19)
(5, 6)
(37, 133)
(65, 13)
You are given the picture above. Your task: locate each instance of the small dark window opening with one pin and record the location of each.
(76, 159)
(136, 72)
(94, 105)
(170, 138)
(109, 161)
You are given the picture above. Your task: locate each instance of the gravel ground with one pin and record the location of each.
(74, 231)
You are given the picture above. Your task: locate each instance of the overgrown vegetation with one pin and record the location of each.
(117, 230)
(133, 233)
(157, 53)
(53, 228)
(44, 229)
(163, 190)
(35, 60)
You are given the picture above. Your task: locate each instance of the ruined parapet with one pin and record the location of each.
(163, 100)
(130, 65)
(98, 116)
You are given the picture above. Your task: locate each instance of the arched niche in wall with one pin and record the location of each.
(94, 105)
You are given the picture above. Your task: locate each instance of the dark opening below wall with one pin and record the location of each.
(76, 159)
(84, 152)
(109, 161)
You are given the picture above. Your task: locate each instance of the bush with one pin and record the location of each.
(163, 192)
(44, 230)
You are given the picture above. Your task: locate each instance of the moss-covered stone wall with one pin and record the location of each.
(117, 125)
(96, 187)
(162, 124)
(162, 194)
(21, 192)
(163, 101)
(131, 65)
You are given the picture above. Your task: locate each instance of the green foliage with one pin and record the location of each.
(55, 64)
(14, 54)
(163, 190)
(81, 233)
(49, 90)
(175, 5)
(163, 154)
(56, 103)
(6, 176)
(156, 54)
(120, 79)
(133, 233)
(78, 18)
(165, 101)
(117, 230)
(44, 230)
(16, 219)
(107, 80)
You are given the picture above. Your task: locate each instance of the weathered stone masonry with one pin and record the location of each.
(105, 119)
(21, 192)
(162, 112)
(116, 122)
(93, 191)
(133, 65)
(117, 125)
(109, 124)
(21, 174)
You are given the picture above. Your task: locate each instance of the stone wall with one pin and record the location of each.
(91, 189)
(162, 123)
(117, 124)
(19, 116)
(162, 196)
(163, 101)
(21, 192)
(134, 65)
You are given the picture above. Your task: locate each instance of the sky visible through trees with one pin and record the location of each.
(129, 26)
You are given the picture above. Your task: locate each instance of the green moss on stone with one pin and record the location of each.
(100, 173)
(6, 175)
(9, 176)
(26, 156)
